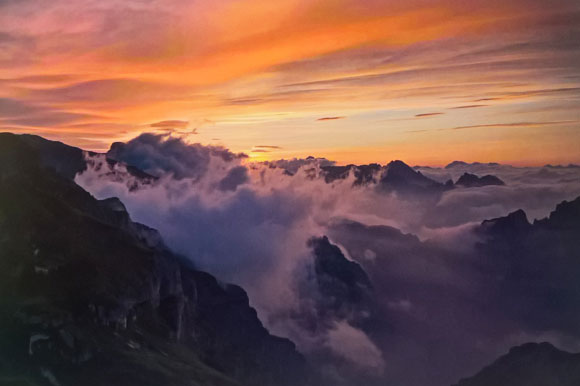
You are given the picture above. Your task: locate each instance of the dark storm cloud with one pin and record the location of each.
(158, 155)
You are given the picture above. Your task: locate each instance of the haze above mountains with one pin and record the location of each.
(371, 274)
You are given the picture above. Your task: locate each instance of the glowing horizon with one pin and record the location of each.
(427, 82)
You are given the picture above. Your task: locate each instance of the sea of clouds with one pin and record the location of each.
(249, 223)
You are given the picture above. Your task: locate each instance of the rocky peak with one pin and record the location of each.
(566, 216)
(400, 177)
(346, 290)
(512, 224)
(468, 180)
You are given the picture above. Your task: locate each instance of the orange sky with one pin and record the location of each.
(356, 81)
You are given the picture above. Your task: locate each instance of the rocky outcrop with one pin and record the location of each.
(346, 290)
(468, 180)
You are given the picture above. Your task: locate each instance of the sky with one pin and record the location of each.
(424, 81)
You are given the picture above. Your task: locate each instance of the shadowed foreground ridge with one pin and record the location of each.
(532, 364)
(88, 297)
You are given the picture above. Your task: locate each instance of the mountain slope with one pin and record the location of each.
(83, 288)
(531, 364)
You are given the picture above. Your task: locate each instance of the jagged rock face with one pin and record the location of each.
(531, 364)
(535, 266)
(513, 224)
(83, 289)
(566, 216)
(347, 292)
(468, 180)
(399, 177)
(394, 177)
(520, 277)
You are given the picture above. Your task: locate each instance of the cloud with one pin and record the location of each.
(41, 79)
(250, 224)
(268, 147)
(516, 124)
(355, 346)
(120, 92)
(236, 176)
(158, 154)
(22, 113)
(330, 118)
(424, 115)
(467, 107)
(294, 164)
(171, 124)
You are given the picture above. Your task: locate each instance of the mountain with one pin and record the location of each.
(532, 364)
(363, 174)
(462, 164)
(400, 177)
(347, 292)
(468, 180)
(534, 267)
(503, 277)
(83, 288)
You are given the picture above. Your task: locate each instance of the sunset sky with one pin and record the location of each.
(352, 80)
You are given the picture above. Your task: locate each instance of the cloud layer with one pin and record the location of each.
(250, 223)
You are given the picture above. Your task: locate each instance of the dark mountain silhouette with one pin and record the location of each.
(462, 164)
(88, 297)
(396, 176)
(520, 275)
(347, 292)
(67, 160)
(468, 180)
(399, 177)
(363, 174)
(532, 364)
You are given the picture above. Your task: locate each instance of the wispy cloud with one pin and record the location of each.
(425, 115)
(467, 107)
(516, 124)
(133, 63)
(330, 118)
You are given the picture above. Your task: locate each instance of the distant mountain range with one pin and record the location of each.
(399, 177)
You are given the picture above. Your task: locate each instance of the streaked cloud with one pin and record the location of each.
(171, 124)
(425, 115)
(330, 118)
